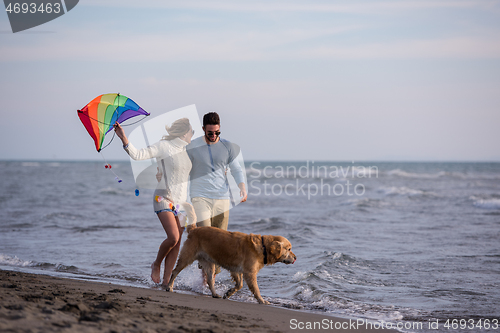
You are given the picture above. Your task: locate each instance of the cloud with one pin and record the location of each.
(233, 36)
(182, 46)
(296, 6)
(257, 45)
(454, 48)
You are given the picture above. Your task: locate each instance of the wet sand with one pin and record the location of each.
(41, 303)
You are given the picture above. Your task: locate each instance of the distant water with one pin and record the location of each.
(392, 242)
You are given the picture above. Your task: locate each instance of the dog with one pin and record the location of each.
(243, 255)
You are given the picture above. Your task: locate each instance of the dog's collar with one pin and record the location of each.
(265, 250)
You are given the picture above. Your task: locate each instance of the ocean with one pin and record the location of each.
(412, 244)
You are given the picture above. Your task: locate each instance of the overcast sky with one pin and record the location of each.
(291, 80)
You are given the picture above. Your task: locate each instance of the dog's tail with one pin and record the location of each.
(190, 224)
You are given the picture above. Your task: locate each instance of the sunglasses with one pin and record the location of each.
(210, 133)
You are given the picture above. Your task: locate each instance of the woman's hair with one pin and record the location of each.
(178, 128)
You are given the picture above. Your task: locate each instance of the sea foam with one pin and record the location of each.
(487, 203)
(14, 261)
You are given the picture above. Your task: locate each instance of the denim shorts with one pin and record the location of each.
(166, 210)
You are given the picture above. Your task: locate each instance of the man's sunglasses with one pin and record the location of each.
(210, 133)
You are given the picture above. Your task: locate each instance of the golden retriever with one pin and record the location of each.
(242, 254)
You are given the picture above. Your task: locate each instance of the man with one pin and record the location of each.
(212, 157)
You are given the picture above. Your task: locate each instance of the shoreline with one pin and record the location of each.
(35, 303)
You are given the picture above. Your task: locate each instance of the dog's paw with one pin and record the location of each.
(216, 296)
(169, 289)
(229, 293)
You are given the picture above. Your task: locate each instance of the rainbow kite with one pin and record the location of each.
(102, 112)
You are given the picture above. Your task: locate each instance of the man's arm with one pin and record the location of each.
(239, 176)
(243, 192)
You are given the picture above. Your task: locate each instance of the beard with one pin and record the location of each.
(211, 139)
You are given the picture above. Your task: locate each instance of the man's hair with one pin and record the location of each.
(211, 118)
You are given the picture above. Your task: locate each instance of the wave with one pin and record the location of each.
(311, 299)
(404, 191)
(38, 164)
(364, 203)
(341, 284)
(114, 191)
(491, 203)
(440, 174)
(7, 260)
(405, 174)
(16, 225)
(304, 295)
(62, 216)
(14, 261)
(339, 268)
(30, 164)
(267, 224)
(17, 262)
(98, 227)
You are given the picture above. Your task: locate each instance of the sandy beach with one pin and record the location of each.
(41, 303)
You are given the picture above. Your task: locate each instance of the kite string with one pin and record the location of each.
(108, 142)
(108, 166)
(135, 122)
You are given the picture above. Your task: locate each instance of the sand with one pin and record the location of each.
(41, 303)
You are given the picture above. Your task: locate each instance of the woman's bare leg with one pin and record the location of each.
(169, 223)
(171, 257)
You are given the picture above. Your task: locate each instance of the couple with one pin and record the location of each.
(205, 161)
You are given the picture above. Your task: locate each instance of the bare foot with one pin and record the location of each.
(155, 273)
(164, 284)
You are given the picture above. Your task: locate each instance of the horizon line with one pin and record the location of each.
(271, 160)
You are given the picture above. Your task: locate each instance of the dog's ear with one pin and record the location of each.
(274, 251)
(256, 241)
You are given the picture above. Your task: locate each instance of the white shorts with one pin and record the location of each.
(211, 212)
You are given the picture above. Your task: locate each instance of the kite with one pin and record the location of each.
(102, 112)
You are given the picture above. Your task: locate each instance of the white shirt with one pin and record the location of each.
(173, 163)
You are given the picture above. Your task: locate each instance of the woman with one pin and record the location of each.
(174, 165)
